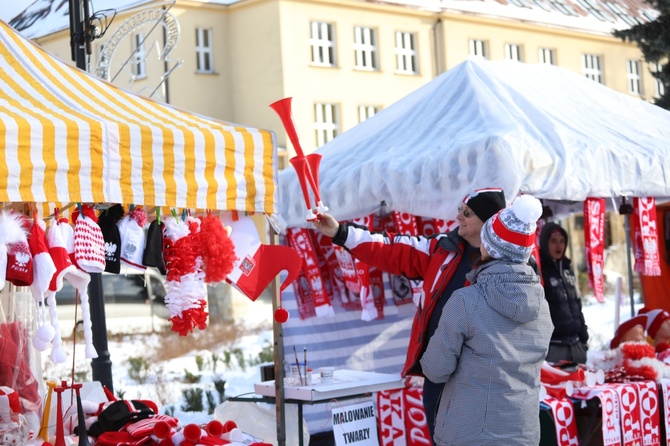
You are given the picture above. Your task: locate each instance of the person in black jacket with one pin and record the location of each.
(570, 337)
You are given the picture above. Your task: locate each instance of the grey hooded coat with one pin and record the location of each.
(489, 347)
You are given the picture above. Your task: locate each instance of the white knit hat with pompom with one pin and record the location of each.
(510, 234)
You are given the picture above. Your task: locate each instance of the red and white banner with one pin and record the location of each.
(609, 402)
(665, 385)
(402, 418)
(649, 412)
(645, 237)
(391, 408)
(594, 233)
(629, 407)
(565, 423)
(416, 424)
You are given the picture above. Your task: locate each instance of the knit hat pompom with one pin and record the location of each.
(527, 208)
(510, 234)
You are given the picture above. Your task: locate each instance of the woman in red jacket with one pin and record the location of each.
(441, 261)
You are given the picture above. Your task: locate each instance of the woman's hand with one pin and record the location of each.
(327, 225)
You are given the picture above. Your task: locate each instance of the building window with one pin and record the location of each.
(365, 48)
(478, 48)
(563, 7)
(633, 76)
(322, 41)
(546, 56)
(139, 61)
(325, 123)
(366, 111)
(203, 50)
(405, 53)
(591, 67)
(659, 88)
(513, 52)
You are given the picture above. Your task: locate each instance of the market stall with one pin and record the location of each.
(536, 129)
(69, 140)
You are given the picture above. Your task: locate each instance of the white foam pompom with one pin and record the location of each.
(39, 344)
(527, 208)
(46, 333)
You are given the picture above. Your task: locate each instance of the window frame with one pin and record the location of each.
(513, 50)
(634, 76)
(139, 63)
(591, 72)
(367, 112)
(326, 122)
(406, 59)
(365, 49)
(322, 47)
(478, 45)
(659, 88)
(542, 53)
(203, 50)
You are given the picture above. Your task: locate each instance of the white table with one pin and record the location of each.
(346, 384)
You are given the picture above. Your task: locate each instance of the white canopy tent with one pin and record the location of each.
(537, 129)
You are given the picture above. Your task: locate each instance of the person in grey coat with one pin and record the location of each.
(492, 339)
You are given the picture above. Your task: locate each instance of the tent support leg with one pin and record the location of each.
(278, 357)
(626, 227)
(102, 365)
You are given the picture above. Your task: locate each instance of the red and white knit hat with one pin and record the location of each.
(510, 234)
(655, 319)
(11, 233)
(60, 236)
(88, 241)
(43, 271)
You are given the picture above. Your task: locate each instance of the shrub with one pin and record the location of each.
(191, 378)
(138, 369)
(192, 400)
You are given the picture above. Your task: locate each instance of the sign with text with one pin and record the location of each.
(355, 425)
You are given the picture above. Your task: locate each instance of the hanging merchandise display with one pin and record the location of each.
(108, 220)
(131, 230)
(88, 241)
(60, 236)
(257, 264)
(186, 288)
(43, 270)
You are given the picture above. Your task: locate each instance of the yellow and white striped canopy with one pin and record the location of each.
(66, 136)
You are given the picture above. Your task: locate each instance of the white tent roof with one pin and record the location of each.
(535, 129)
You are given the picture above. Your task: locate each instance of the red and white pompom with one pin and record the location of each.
(186, 288)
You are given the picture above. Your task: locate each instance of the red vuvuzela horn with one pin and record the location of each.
(306, 167)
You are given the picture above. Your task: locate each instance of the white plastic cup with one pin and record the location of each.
(327, 374)
(298, 376)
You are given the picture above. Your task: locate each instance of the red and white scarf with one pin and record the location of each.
(594, 230)
(645, 237)
(300, 240)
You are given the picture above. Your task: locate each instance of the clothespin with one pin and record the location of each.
(183, 215)
(132, 206)
(174, 215)
(158, 216)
